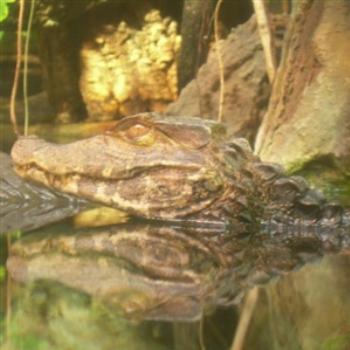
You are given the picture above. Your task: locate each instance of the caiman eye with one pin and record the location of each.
(140, 134)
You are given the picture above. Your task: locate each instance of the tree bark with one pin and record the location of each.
(195, 28)
(59, 57)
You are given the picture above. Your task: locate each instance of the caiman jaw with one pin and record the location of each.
(163, 181)
(158, 194)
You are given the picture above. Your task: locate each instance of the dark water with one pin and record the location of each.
(58, 298)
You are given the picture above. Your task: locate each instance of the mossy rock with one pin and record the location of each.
(326, 176)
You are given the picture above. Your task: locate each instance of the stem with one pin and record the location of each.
(220, 62)
(8, 294)
(17, 69)
(245, 319)
(25, 72)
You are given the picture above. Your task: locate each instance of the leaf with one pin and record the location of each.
(1, 34)
(4, 11)
(2, 273)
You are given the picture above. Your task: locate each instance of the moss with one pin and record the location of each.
(341, 342)
(325, 175)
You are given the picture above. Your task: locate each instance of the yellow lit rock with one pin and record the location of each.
(125, 70)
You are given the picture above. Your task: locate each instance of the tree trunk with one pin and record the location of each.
(59, 57)
(195, 28)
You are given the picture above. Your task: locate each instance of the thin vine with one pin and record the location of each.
(25, 69)
(17, 69)
(220, 62)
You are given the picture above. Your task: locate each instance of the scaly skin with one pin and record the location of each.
(183, 170)
(176, 169)
(25, 206)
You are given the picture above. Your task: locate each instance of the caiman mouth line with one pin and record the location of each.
(109, 191)
(126, 174)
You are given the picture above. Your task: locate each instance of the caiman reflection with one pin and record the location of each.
(151, 272)
(159, 272)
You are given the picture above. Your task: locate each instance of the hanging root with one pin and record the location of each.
(220, 62)
(17, 69)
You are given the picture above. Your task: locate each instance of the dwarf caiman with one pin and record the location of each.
(183, 169)
(177, 170)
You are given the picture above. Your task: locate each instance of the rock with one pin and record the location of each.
(246, 85)
(125, 70)
(308, 116)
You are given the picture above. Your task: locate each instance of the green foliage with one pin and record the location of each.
(4, 10)
(20, 341)
(49, 316)
(2, 273)
(16, 234)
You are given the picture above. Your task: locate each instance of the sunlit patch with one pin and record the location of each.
(101, 216)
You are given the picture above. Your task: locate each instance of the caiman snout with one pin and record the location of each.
(144, 166)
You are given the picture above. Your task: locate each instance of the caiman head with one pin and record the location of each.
(146, 165)
(159, 167)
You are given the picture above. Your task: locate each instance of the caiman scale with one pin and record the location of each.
(163, 168)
